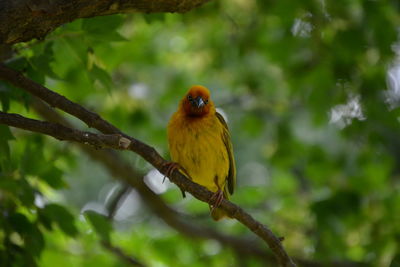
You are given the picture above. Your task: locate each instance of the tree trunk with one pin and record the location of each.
(24, 20)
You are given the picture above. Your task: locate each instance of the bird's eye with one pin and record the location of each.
(206, 101)
(189, 97)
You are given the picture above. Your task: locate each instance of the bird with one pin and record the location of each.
(200, 146)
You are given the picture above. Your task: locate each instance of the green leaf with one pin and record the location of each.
(18, 63)
(45, 220)
(5, 133)
(5, 136)
(8, 184)
(20, 223)
(25, 193)
(9, 93)
(100, 224)
(103, 28)
(76, 50)
(33, 238)
(4, 153)
(33, 157)
(53, 177)
(42, 59)
(34, 242)
(102, 24)
(35, 75)
(5, 102)
(4, 98)
(154, 17)
(98, 74)
(62, 217)
(341, 204)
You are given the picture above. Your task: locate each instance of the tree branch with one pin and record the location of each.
(151, 156)
(119, 169)
(126, 173)
(120, 254)
(113, 206)
(24, 20)
(61, 132)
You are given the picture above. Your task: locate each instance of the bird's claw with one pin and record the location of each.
(216, 199)
(171, 167)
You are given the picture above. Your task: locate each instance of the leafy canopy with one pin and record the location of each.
(314, 125)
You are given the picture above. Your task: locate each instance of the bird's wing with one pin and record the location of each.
(228, 144)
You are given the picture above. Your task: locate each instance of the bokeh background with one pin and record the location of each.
(310, 90)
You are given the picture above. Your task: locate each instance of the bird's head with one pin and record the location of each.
(197, 102)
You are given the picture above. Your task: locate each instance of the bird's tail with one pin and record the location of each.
(218, 214)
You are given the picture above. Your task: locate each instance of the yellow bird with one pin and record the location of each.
(200, 145)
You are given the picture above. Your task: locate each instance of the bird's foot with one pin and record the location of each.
(171, 167)
(216, 199)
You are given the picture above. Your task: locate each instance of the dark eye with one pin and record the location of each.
(189, 97)
(206, 101)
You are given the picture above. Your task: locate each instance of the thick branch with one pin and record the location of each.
(61, 132)
(150, 155)
(119, 169)
(24, 20)
(126, 173)
(56, 100)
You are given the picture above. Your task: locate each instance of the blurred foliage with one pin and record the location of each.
(311, 93)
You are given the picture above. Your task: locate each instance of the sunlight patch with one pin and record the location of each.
(392, 95)
(302, 28)
(154, 180)
(139, 91)
(342, 115)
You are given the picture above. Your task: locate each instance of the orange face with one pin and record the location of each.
(197, 101)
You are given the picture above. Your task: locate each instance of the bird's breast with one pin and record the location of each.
(197, 145)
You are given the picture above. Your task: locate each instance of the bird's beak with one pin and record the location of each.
(199, 102)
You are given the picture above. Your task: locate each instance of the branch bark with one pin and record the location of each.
(61, 132)
(151, 156)
(24, 20)
(116, 166)
(119, 169)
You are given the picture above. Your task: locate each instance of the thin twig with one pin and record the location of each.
(121, 254)
(112, 209)
(122, 193)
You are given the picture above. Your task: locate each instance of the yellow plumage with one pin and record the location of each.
(199, 141)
